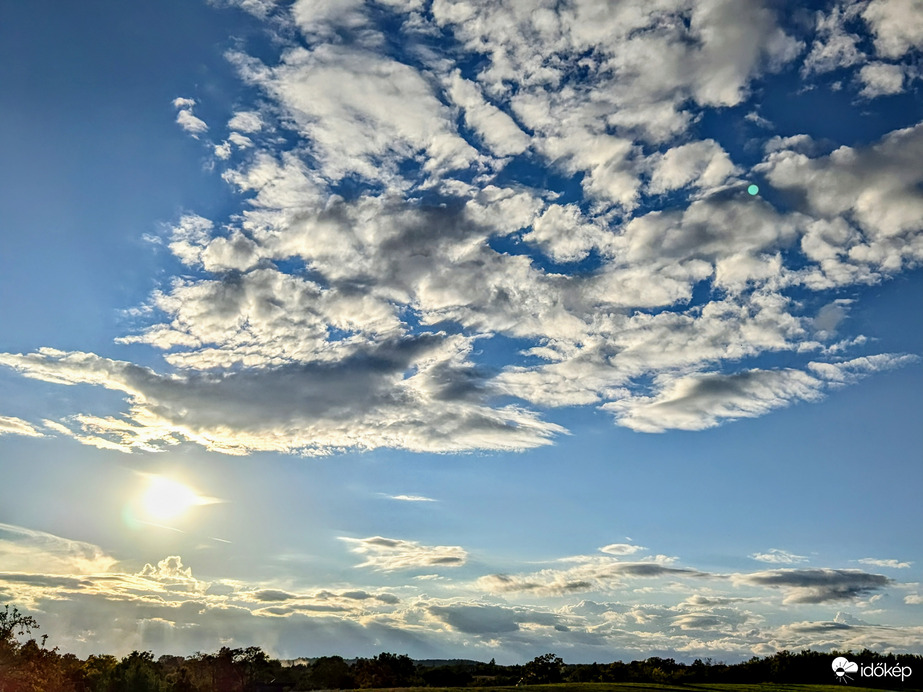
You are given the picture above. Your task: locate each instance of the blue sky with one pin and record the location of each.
(450, 328)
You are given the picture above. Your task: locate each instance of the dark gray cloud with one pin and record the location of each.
(49, 580)
(477, 619)
(651, 569)
(487, 619)
(272, 595)
(819, 585)
(307, 408)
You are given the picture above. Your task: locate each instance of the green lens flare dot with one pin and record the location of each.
(753, 189)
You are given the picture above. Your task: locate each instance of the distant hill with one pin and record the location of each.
(434, 662)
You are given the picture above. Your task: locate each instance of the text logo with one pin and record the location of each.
(841, 667)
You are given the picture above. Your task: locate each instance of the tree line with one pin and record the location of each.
(30, 666)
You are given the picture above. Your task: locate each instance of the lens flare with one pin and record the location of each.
(166, 498)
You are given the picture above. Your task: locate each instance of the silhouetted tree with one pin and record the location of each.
(385, 670)
(543, 669)
(332, 673)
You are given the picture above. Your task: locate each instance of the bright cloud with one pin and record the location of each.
(10, 425)
(375, 344)
(102, 603)
(779, 557)
(877, 562)
(448, 227)
(389, 554)
(186, 119)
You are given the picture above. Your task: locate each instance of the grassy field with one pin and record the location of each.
(643, 686)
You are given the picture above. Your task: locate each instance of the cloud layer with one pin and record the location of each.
(452, 226)
(597, 608)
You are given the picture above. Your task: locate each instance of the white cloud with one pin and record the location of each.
(171, 573)
(308, 408)
(834, 45)
(881, 79)
(896, 24)
(703, 164)
(246, 121)
(181, 102)
(758, 120)
(390, 554)
(190, 123)
(891, 563)
(372, 340)
(704, 400)
(186, 119)
(779, 557)
(590, 574)
(21, 549)
(867, 204)
(363, 112)
(498, 130)
(10, 425)
(566, 234)
(621, 549)
(411, 498)
(258, 8)
(697, 402)
(87, 602)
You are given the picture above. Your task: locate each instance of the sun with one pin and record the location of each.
(166, 498)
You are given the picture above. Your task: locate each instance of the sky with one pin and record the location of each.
(463, 329)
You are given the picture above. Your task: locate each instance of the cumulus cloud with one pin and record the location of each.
(497, 129)
(881, 79)
(87, 602)
(697, 402)
(409, 207)
(593, 573)
(173, 575)
(834, 46)
(867, 204)
(363, 111)
(258, 8)
(309, 408)
(186, 119)
(389, 554)
(246, 121)
(703, 164)
(896, 25)
(896, 32)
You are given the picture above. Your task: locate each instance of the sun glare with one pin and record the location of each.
(166, 498)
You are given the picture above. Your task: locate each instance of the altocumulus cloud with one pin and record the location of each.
(819, 585)
(389, 554)
(10, 425)
(314, 321)
(88, 601)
